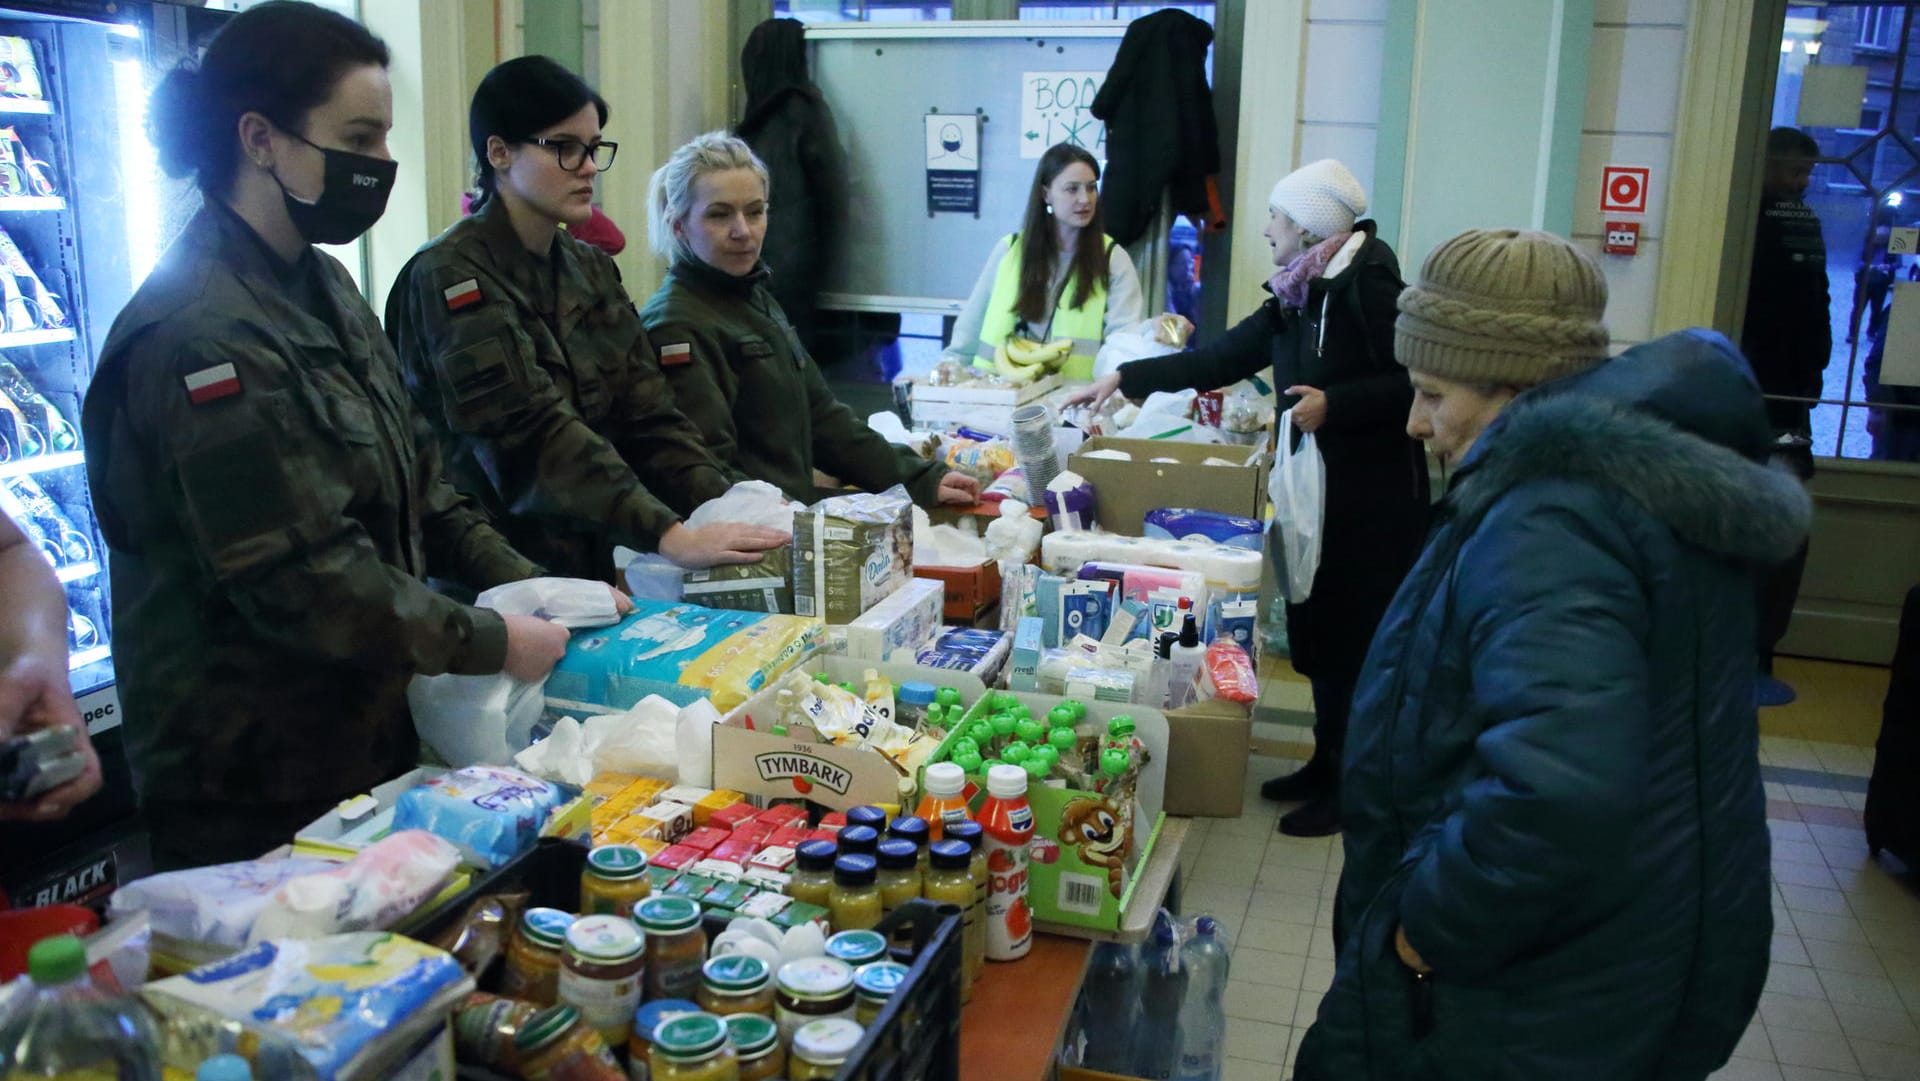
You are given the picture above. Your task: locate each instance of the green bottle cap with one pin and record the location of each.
(936, 715)
(1062, 740)
(1079, 709)
(1016, 752)
(1002, 725)
(947, 696)
(57, 960)
(1020, 711)
(971, 762)
(821, 677)
(1113, 761)
(1037, 769)
(1046, 753)
(1120, 727)
(1030, 730)
(1061, 714)
(965, 745)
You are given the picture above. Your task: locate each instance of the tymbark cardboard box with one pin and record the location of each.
(1125, 491)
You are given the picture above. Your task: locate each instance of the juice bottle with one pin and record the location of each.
(1007, 818)
(975, 838)
(950, 883)
(946, 799)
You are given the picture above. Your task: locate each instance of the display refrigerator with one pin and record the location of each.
(85, 212)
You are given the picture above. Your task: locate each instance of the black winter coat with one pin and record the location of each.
(1161, 132)
(791, 129)
(1377, 491)
(1552, 776)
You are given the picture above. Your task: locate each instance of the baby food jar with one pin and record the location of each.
(533, 957)
(645, 1021)
(756, 1042)
(557, 1045)
(857, 948)
(899, 880)
(600, 975)
(693, 1047)
(854, 904)
(913, 828)
(821, 1048)
(873, 985)
(857, 840)
(736, 983)
(812, 880)
(484, 1028)
(676, 946)
(812, 990)
(615, 879)
(869, 816)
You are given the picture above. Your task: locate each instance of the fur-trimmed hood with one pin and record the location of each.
(1676, 425)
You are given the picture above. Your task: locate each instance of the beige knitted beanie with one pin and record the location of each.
(1503, 306)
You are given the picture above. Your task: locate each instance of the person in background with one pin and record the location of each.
(1327, 333)
(520, 344)
(1060, 276)
(734, 363)
(272, 501)
(1788, 338)
(34, 693)
(1556, 850)
(790, 128)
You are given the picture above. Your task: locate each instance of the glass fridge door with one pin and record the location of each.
(84, 214)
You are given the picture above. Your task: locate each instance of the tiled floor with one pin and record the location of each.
(1842, 999)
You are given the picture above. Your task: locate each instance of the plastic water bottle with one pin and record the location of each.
(61, 1026)
(1163, 991)
(1203, 1017)
(1111, 1007)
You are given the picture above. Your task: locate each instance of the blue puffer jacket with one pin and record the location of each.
(1552, 774)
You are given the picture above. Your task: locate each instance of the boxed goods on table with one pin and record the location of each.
(901, 622)
(970, 590)
(748, 756)
(1089, 839)
(766, 586)
(983, 405)
(850, 552)
(682, 653)
(347, 1007)
(1159, 474)
(357, 823)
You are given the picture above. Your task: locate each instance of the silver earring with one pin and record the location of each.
(1049, 210)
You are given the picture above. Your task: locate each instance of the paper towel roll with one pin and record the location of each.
(1065, 553)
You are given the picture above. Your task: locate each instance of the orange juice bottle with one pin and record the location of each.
(946, 798)
(1007, 819)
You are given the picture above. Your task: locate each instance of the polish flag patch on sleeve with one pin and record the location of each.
(676, 354)
(464, 295)
(212, 384)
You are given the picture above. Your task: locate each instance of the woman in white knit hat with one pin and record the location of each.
(1555, 859)
(1327, 335)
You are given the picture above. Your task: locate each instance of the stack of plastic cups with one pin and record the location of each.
(1034, 451)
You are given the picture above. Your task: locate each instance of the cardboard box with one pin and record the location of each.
(970, 590)
(1126, 491)
(987, 408)
(1208, 744)
(903, 621)
(1068, 882)
(748, 758)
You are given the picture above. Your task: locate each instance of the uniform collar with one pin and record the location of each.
(699, 272)
(222, 235)
(566, 288)
(248, 252)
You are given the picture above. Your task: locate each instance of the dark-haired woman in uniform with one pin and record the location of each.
(522, 347)
(272, 502)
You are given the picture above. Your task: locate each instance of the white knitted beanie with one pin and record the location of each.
(1323, 198)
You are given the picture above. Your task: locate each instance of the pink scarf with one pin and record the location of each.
(1290, 282)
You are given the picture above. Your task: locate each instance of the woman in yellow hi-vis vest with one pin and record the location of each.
(1058, 277)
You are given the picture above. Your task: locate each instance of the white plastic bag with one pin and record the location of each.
(1137, 342)
(573, 603)
(750, 502)
(1298, 488)
(693, 742)
(643, 741)
(386, 881)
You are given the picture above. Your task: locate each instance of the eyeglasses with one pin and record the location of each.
(572, 153)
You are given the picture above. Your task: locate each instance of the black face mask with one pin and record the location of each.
(353, 195)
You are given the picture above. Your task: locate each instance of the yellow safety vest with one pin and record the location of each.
(1086, 324)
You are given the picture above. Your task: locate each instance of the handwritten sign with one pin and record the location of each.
(1054, 109)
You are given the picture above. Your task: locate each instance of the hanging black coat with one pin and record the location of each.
(790, 128)
(1341, 341)
(1161, 132)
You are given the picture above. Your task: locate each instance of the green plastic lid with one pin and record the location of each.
(1063, 738)
(617, 861)
(737, 973)
(690, 1036)
(544, 1028)
(666, 914)
(857, 947)
(879, 979)
(1060, 714)
(752, 1034)
(546, 926)
(1120, 726)
(57, 960)
(947, 696)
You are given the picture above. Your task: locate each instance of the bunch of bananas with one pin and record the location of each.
(1021, 360)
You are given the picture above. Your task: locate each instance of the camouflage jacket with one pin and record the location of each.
(272, 505)
(545, 391)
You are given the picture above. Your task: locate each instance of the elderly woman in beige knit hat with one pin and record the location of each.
(1327, 334)
(1556, 846)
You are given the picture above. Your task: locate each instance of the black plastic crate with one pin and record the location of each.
(916, 1037)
